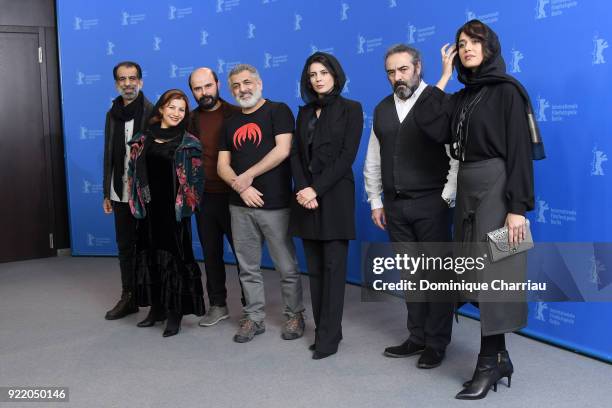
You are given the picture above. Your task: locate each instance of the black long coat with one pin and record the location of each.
(329, 171)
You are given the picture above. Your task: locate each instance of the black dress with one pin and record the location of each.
(167, 272)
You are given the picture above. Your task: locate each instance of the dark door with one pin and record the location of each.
(25, 214)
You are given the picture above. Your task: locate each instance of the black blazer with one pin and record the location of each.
(329, 172)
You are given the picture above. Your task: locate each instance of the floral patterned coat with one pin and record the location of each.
(189, 173)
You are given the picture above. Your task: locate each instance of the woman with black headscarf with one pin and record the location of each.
(326, 141)
(166, 181)
(490, 126)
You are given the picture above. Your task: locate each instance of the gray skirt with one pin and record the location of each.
(482, 207)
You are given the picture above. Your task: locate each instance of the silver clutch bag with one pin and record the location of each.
(499, 248)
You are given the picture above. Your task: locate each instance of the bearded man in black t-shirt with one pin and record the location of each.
(253, 152)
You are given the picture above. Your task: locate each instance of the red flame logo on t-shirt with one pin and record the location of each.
(250, 132)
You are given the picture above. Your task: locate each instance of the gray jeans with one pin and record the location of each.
(250, 227)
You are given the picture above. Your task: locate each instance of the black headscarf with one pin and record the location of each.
(493, 71)
(309, 96)
(124, 113)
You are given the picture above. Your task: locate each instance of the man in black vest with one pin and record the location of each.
(127, 117)
(418, 181)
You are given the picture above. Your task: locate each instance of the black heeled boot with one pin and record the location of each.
(505, 366)
(156, 314)
(125, 306)
(173, 326)
(488, 372)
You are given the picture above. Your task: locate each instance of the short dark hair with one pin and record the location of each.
(128, 64)
(214, 74)
(414, 53)
(480, 31)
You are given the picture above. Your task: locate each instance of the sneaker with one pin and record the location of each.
(248, 329)
(293, 327)
(214, 315)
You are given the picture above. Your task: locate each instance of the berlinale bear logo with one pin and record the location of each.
(250, 132)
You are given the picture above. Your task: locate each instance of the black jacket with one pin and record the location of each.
(329, 171)
(109, 139)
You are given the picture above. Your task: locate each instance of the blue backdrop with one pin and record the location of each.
(557, 48)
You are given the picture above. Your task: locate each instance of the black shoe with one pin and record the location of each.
(153, 317)
(312, 347)
(125, 306)
(488, 372)
(318, 355)
(430, 358)
(173, 326)
(406, 349)
(171, 332)
(505, 366)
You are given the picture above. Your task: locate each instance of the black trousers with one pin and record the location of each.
(423, 219)
(326, 262)
(214, 221)
(125, 235)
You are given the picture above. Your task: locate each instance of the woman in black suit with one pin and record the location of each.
(326, 141)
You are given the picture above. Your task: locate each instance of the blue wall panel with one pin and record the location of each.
(557, 48)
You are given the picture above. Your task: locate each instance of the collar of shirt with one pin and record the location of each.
(403, 107)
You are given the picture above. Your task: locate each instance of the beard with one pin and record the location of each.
(129, 93)
(249, 102)
(207, 102)
(404, 90)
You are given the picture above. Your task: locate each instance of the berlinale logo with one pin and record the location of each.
(599, 157)
(251, 31)
(517, 56)
(411, 30)
(543, 104)
(542, 207)
(297, 26)
(599, 45)
(540, 9)
(360, 43)
(344, 12)
(250, 132)
(540, 308)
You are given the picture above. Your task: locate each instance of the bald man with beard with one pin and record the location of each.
(213, 219)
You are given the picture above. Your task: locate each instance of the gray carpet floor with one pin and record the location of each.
(53, 333)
